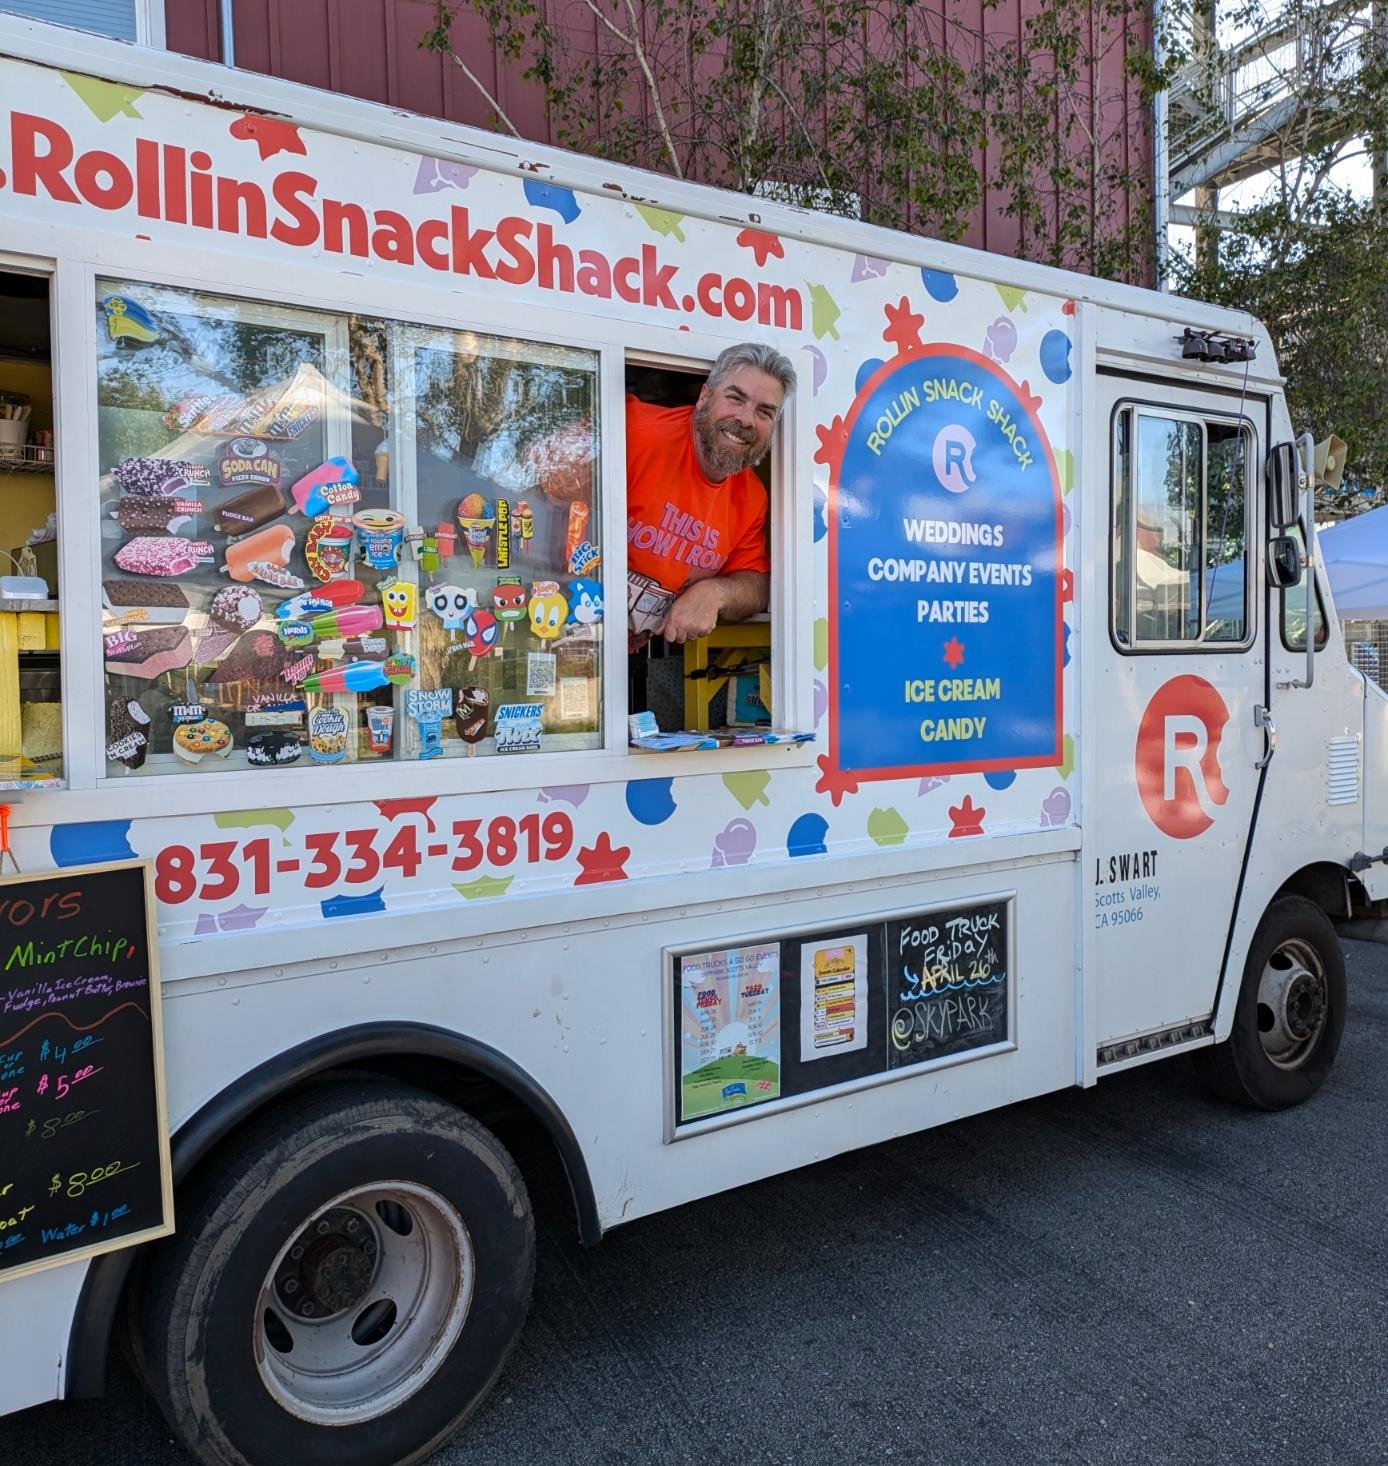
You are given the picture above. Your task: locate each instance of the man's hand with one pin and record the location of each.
(701, 606)
(695, 612)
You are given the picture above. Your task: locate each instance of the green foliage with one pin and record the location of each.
(1319, 281)
(882, 110)
(1310, 256)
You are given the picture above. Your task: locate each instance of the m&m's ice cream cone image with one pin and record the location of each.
(476, 518)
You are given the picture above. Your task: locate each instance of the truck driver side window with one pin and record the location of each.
(1180, 531)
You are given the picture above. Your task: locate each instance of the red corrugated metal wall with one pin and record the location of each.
(370, 49)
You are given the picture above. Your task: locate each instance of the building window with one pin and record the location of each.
(122, 20)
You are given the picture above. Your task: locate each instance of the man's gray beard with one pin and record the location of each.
(720, 458)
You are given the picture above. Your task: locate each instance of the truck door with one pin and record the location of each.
(1177, 684)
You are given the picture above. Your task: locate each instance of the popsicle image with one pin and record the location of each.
(271, 546)
(509, 601)
(349, 621)
(322, 598)
(400, 602)
(479, 636)
(330, 486)
(470, 716)
(573, 538)
(249, 510)
(476, 518)
(363, 676)
(447, 537)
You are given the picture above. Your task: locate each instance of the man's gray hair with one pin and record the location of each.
(751, 353)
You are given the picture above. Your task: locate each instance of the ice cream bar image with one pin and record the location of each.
(162, 555)
(272, 546)
(320, 599)
(447, 539)
(332, 484)
(350, 621)
(249, 511)
(363, 676)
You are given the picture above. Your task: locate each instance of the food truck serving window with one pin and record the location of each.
(1180, 532)
(322, 537)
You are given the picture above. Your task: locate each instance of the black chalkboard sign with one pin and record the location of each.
(84, 1152)
(948, 982)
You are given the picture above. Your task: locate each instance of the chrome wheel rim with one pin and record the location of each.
(364, 1303)
(1293, 1003)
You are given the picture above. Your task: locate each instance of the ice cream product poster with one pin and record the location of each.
(730, 1029)
(833, 996)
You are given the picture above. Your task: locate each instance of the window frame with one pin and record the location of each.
(310, 288)
(1125, 532)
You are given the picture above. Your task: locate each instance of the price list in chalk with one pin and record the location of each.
(84, 1159)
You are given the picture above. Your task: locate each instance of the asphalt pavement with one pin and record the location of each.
(1133, 1274)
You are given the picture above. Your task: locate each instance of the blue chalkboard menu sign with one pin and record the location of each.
(84, 1151)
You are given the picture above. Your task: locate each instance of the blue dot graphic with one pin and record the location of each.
(650, 800)
(866, 372)
(1000, 779)
(939, 285)
(1055, 356)
(807, 835)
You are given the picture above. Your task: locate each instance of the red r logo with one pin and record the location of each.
(1178, 773)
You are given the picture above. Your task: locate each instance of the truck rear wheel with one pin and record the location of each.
(345, 1285)
(1290, 1013)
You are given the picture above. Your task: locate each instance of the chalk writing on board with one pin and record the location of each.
(948, 975)
(83, 1149)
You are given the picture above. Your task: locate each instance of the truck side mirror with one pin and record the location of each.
(1284, 562)
(1282, 485)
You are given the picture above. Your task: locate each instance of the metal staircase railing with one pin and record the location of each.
(1232, 110)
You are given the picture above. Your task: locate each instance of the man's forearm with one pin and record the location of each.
(744, 593)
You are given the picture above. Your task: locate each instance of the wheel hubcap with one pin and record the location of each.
(364, 1303)
(1292, 1003)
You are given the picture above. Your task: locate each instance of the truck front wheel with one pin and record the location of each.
(345, 1283)
(1290, 1013)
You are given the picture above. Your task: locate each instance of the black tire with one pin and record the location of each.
(1290, 1013)
(423, 1208)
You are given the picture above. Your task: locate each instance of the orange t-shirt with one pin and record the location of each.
(681, 526)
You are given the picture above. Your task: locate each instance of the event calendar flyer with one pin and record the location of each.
(730, 1029)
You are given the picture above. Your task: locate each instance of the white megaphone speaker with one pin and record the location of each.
(1329, 461)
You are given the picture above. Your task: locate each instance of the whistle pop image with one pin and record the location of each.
(523, 525)
(476, 518)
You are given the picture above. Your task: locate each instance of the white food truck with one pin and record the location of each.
(1079, 795)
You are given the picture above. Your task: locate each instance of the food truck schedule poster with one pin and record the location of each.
(729, 1029)
(803, 1012)
(84, 1151)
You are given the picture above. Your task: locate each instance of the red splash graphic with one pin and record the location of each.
(954, 652)
(762, 245)
(1031, 401)
(392, 808)
(1068, 309)
(832, 441)
(603, 861)
(967, 818)
(269, 135)
(834, 782)
(904, 327)
(1067, 586)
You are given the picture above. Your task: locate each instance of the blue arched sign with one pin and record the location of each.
(944, 575)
